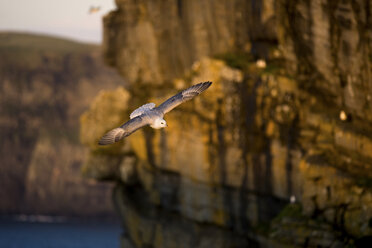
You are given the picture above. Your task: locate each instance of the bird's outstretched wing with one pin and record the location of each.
(123, 131)
(183, 96)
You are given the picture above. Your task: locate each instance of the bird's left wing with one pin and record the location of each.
(124, 130)
(183, 96)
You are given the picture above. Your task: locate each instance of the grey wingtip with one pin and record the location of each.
(105, 141)
(111, 137)
(206, 84)
(102, 142)
(202, 86)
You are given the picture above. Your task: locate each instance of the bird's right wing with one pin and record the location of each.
(124, 130)
(183, 96)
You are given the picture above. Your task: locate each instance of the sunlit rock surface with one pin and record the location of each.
(262, 156)
(329, 44)
(156, 41)
(108, 110)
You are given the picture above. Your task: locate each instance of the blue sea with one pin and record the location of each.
(58, 233)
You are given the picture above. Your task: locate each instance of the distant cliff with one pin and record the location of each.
(275, 155)
(45, 85)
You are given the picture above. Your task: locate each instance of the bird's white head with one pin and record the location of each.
(159, 123)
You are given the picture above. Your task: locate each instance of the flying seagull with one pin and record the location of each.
(94, 9)
(148, 114)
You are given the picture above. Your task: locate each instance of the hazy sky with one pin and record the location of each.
(67, 18)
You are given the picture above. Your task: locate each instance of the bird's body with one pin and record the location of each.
(94, 9)
(148, 114)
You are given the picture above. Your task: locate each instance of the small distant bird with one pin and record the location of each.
(149, 115)
(94, 9)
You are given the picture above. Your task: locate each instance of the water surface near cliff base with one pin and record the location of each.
(69, 233)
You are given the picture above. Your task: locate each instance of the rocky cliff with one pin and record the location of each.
(45, 85)
(273, 154)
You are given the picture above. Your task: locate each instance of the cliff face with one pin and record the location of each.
(174, 34)
(329, 44)
(224, 172)
(45, 85)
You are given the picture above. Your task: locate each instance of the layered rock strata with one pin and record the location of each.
(272, 156)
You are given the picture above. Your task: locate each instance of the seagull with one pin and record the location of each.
(94, 9)
(148, 114)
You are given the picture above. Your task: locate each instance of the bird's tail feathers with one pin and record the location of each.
(112, 136)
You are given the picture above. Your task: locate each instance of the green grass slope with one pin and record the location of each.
(29, 49)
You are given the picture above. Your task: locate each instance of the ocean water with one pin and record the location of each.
(50, 233)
